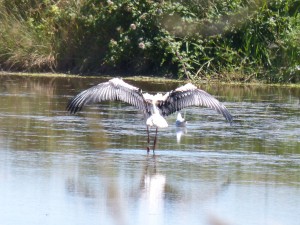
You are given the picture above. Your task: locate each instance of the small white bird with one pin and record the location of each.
(154, 107)
(180, 121)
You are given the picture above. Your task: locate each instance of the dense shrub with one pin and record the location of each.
(195, 39)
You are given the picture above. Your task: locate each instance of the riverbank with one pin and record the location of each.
(143, 78)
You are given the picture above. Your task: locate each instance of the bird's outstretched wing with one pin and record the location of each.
(190, 95)
(114, 89)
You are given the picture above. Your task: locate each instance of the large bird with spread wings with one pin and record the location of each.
(154, 107)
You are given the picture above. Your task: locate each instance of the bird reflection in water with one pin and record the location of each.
(148, 198)
(180, 131)
(152, 194)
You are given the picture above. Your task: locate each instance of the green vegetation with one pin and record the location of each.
(230, 40)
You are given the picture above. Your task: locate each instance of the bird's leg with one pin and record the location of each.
(148, 140)
(154, 143)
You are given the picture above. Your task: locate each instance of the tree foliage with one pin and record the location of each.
(195, 39)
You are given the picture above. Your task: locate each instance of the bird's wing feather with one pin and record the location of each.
(190, 95)
(114, 89)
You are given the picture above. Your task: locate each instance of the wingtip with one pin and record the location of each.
(230, 120)
(72, 109)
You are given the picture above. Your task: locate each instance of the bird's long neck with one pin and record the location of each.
(155, 109)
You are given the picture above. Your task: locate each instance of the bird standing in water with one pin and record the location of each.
(154, 107)
(180, 121)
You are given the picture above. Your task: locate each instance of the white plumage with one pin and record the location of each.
(180, 121)
(154, 107)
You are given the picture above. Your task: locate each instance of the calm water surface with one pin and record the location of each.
(92, 168)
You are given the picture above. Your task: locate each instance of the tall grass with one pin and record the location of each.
(21, 46)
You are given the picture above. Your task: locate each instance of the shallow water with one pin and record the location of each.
(92, 167)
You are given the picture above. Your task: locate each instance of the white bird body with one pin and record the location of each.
(154, 107)
(180, 121)
(156, 120)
